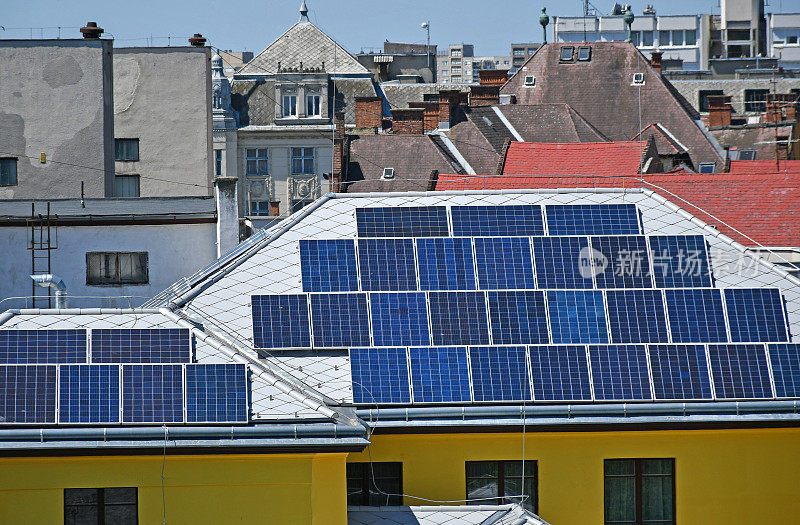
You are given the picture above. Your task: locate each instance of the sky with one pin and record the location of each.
(251, 25)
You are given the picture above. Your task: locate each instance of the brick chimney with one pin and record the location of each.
(430, 115)
(448, 102)
(655, 60)
(492, 77)
(369, 112)
(338, 152)
(719, 110)
(780, 107)
(91, 31)
(408, 121)
(484, 95)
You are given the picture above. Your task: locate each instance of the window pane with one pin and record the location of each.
(656, 498)
(80, 496)
(297, 166)
(126, 149)
(121, 514)
(663, 38)
(109, 267)
(252, 167)
(620, 467)
(8, 172)
(125, 267)
(80, 515)
(657, 466)
(308, 152)
(482, 481)
(620, 500)
(514, 468)
(647, 38)
(120, 495)
(513, 487)
(251, 153)
(677, 37)
(126, 186)
(691, 37)
(297, 152)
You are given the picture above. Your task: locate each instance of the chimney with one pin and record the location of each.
(408, 121)
(780, 107)
(430, 114)
(338, 152)
(448, 101)
(655, 61)
(484, 95)
(91, 31)
(369, 112)
(197, 40)
(492, 77)
(719, 110)
(227, 214)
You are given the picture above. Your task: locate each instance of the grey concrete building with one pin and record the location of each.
(401, 61)
(520, 53)
(461, 66)
(748, 95)
(783, 38)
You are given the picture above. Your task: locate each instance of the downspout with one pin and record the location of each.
(54, 282)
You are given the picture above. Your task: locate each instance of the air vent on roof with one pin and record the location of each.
(566, 53)
(487, 121)
(638, 79)
(388, 173)
(530, 81)
(584, 53)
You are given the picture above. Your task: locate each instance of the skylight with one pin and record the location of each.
(566, 53)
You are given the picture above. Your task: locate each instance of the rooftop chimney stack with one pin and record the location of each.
(408, 121)
(91, 31)
(655, 61)
(369, 112)
(197, 40)
(719, 110)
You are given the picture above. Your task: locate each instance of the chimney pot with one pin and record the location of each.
(91, 31)
(197, 40)
(655, 60)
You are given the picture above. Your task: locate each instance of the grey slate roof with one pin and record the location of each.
(254, 100)
(347, 89)
(399, 95)
(160, 206)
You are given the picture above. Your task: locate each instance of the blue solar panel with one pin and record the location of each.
(88, 394)
(42, 346)
(474, 221)
(141, 345)
(216, 393)
(755, 314)
(340, 320)
(680, 261)
(499, 373)
(592, 219)
(27, 394)
(380, 375)
(562, 262)
(696, 315)
(740, 371)
(680, 372)
(440, 374)
(636, 316)
(280, 321)
(785, 361)
(577, 316)
(387, 264)
(560, 373)
(445, 264)
(328, 265)
(518, 317)
(399, 319)
(619, 372)
(621, 262)
(402, 221)
(503, 263)
(458, 318)
(152, 393)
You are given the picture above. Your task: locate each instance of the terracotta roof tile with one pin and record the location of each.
(598, 158)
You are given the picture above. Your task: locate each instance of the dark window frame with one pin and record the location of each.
(366, 481)
(638, 475)
(101, 504)
(15, 163)
(561, 54)
(118, 157)
(501, 476)
(702, 98)
(127, 176)
(91, 281)
(752, 102)
(588, 56)
(218, 162)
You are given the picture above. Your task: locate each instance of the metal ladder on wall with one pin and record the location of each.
(42, 240)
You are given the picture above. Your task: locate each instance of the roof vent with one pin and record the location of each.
(638, 79)
(530, 80)
(388, 173)
(197, 40)
(91, 30)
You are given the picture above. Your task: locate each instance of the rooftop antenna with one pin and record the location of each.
(427, 27)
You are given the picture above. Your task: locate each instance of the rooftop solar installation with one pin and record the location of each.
(621, 262)
(517, 220)
(592, 219)
(152, 393)
(88, 394)
(27, 394)
(518, 317)
(500, 373)
(328, 265)
(785, 360)
(380, 375)
(562, 262)
(399, 319)
(141, 345)
(387, 264)
(740, 371)
(636, 316)
(440, 374)
(216, 393)
(458, 318)
(446, 264)
(560, 373)
(42, 346)
(577, 316)
(340, 320)
(680, 372)
(281, 321)
(680, 261)
(755, 314)
(619, 372)
(403, 221)
(504, 263)
(696, 315)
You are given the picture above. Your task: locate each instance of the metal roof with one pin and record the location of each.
(107, 208)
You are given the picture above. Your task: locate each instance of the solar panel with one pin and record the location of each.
(562, 262)
(152, 393)
(680, 372)
(42, 346)
(518, 317)
(88, 394)
(621, 262)
(340, 320)
(755, 314)
(280, 321)
(560, 373)
(387, 264)
(328, 265)
(380, 375)
(499, 373)
(503, 263)
(27, 394)
(785, 361)
(141, 345)
(696, 315)
(402, 221)
(458, 318)
(592, 219)
(445, 264)
(619, 372)
(440, 374)
(475, 221)
(739, 371)
(636, 316)
(577, 316)
(399, 319)
(680, 261)
(216, 393)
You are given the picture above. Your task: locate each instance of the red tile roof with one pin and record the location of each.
(765, 166)
(763, 206)
(597, 158)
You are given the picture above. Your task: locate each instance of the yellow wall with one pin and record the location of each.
(297, 488)
(721, 476)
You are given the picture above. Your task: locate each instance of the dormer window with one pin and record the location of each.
(530, 80)
(566, 53)
(638, 79)
(289, 106)
(388, 173)
(584, 53)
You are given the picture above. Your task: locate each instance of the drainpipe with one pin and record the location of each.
(48, 280)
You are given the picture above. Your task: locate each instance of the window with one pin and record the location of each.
(374, 484)
(690, 37)
(640, 491)
(519, 52)
(566, 53)
(8, 172)
(677, 37)
(755, 100)
(584, 53)
(218, 162)
(708, 167)
(126, 149)
(530, 80)
(742, 154)
(126, 186)
(455, 52)
(647, 39)
(259, 207)
(455, 70)
(638, 79)
(456, 78)
(313, 105)
(455, 61)
(302, 161)
(663, 38)
(290, 105)
(388, 173)
(257, 161)
(502, 480)
(791, 39)
(116, 268)
(117, 506)
(444, 62)
(704, 94)
(738, 34)
(297, 205)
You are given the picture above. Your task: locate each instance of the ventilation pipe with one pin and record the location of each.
(56, 283)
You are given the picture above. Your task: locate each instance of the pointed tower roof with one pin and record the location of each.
(303, 12)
